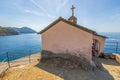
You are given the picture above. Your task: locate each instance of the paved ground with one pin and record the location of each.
(21, 61)
(3, 67)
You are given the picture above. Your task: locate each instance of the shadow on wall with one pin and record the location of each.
(66, 69)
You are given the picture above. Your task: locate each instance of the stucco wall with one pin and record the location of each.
(102, 41)
(64, 38)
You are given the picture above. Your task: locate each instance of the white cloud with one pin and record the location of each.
(22, 8)
(28, 10)
(51, 8)
(37, 5)
(44, 11)
(61, 5)
(33, 12)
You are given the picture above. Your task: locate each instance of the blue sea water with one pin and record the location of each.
(112, 44)
(21, 45)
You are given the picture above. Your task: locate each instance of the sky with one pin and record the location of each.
(98, 15)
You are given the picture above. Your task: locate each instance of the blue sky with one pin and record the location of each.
(99, 15)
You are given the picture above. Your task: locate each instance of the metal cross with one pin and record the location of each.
(72, 10)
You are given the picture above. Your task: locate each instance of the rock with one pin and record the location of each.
(109, 56)
(117, 57)
(66, 60)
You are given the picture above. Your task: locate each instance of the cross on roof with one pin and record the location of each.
(72, 10)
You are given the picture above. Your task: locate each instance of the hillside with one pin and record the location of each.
(23, 30)
(48, 71)
(6, 31)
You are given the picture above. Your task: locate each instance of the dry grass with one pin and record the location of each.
(29, 72)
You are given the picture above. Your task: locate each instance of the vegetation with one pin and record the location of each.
(6, 31)
(23, 30)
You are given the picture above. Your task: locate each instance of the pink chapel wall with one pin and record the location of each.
(101, 41)
(65, 38)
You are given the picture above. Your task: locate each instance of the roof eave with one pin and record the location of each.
(101, 36)
(45, 29)
(73, 24)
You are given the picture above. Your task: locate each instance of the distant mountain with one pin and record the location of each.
(23, 30)
(6, 31)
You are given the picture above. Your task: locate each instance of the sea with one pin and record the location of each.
(112, 44)
(18, 46)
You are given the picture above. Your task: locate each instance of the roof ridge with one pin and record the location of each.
(73, 24)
